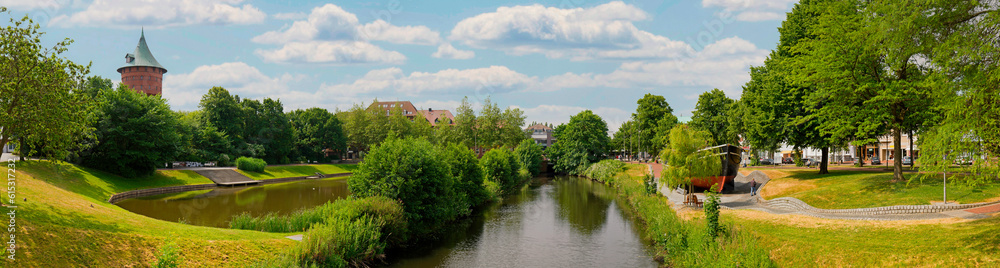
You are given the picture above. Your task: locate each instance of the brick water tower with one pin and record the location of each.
(141, 71)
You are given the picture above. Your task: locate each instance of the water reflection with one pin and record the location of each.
(553, 222)
(216, 207)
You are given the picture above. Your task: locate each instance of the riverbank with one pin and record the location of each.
(71, 224)
(678, 241)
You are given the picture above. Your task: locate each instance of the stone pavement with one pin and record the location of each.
(741, 199)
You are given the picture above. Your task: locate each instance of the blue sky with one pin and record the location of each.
(550, 58)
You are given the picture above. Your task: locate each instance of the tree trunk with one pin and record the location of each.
(860, 154)
(20, 144)
(823, 164)
(913, 160)
(897, 164)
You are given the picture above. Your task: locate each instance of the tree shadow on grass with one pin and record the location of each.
(75, 179)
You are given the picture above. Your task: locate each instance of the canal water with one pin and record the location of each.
(215, 207)
(554, 222)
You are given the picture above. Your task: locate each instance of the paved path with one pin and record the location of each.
(741, 199)
(226, 177)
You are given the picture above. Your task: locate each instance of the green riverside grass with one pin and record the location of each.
(66, 221)
(678, 242)
(274, 172)
(842, 189)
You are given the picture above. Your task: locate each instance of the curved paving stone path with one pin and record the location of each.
(741, 199)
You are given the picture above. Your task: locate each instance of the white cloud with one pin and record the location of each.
(604, 31)
(493, 80)
(753, 10)
(338, 37)
(184, 91)
(29, 5)
(446, 51)
(560, 114)
(333, 52)
(724, 64)
(290, 16)
(160, 14)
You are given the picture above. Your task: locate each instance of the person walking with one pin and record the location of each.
(753, 187)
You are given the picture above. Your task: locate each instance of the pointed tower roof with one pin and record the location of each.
(141, 56)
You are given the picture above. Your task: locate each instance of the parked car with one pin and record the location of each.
(963, 161)
(907, 160)
(787, 160)
(767, 161)
(875, 161)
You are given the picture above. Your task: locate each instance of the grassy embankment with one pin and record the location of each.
(843, 189)
(66, 222)
(274, 172)
(803, 241)
(677, 241)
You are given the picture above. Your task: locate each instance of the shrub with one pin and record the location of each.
(251, 164)
(467, 173)
(605, 170)
(168, 257)
(712, 214)
(344, 208)
(409, 170)
(529, 155)
(500, 166)
(346, 232)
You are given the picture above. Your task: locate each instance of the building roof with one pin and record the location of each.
(141, 56)
(539, 126)
(440, 116)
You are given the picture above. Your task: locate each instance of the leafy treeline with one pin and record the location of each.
(649, 128)
(367, 126)
(853, 71)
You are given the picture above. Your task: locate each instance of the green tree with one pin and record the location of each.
(501, 166)
(38, 104)
(468, 174)
(651, 111)
(137, 133)
(683, 157)
(582, 141)
(712, 115)
(222, 111)
(412, 171)
(529, 155)
(866, 59)
(319, 135)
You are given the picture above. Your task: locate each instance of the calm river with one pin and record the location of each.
(555, 222)
(217, 206)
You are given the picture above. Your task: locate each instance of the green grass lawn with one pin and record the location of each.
(101, 185)
(803, 241)
(64, 220)
(274, 172)
(859, 189)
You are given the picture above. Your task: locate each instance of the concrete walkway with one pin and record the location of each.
(226, 177)
(741, 199)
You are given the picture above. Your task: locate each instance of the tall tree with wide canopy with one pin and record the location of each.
(652, 112)
(868, 65)
(316, 131)
(38, 99)
(712, 115)
(136, 133)
(582, 141)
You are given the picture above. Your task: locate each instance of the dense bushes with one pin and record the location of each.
(605, 171)
(467, 173)
(529, 154)
(501, 167)
(251, 164)
(347, 232)
(412, 171)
